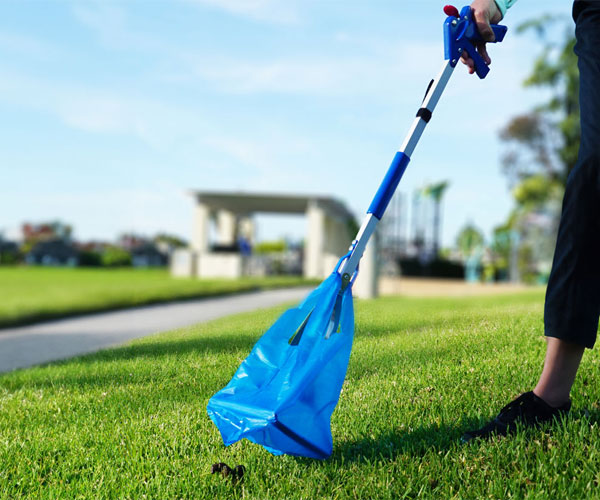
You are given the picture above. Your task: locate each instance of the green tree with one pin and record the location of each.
(541, 150)
(502, 244)
(546, 139)
(469, 239)
(170, 240)
(436, 192)
(535, 191)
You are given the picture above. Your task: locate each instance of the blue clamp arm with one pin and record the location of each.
(460, 33)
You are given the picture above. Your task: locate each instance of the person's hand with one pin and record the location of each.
(485, 12)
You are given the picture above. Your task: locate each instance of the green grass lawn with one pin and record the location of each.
(34, 293)
(131, 422)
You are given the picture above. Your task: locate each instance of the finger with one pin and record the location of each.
(470, 64)
(468, 61)
(482, 49)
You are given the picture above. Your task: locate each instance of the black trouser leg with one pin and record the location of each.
(573, 296)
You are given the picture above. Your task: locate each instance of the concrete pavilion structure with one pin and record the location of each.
(232, 215)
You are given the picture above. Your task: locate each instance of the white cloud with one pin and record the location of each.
(157, 124)
(274, 161)
(109, 21)
(266, 155)
(274, 11)
(381, 65)
(367, 74)
(249, 153)
(154, 122)
(105, 19)
(290, 77)
(30, 47)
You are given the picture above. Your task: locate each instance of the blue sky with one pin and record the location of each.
(111, 111)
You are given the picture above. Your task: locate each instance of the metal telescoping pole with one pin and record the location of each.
(390, 182)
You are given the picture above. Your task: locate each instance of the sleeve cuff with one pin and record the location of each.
(504, 5)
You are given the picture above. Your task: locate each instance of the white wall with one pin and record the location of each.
(217, 265)
(183, 263)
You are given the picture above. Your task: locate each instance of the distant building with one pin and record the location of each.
(46, 231)
(148, 255)
(144, 252)
(53, 253)
(92, 246)
(130, 242)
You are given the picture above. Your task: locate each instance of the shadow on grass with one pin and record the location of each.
(232, 342)
(228, 343)
(592, 416)
(418, 442)
(429, 439)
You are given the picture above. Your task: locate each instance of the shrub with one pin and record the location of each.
(116, 257)
(90, 259)
(266, 247)
(438, 268)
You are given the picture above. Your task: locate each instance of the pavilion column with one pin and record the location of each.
(247, 228)
(226, 227)
(200, 230)
(315, 241)
(367, 282)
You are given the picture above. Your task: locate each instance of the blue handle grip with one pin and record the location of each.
(460, 33)
(499, 33)
(388, 186)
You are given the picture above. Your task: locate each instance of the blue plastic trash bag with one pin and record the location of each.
(283, 394)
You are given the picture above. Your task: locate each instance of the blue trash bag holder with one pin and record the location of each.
(283, 394)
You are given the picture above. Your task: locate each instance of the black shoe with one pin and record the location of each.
(527, 410)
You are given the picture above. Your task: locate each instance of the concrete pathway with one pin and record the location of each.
(31, 345)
